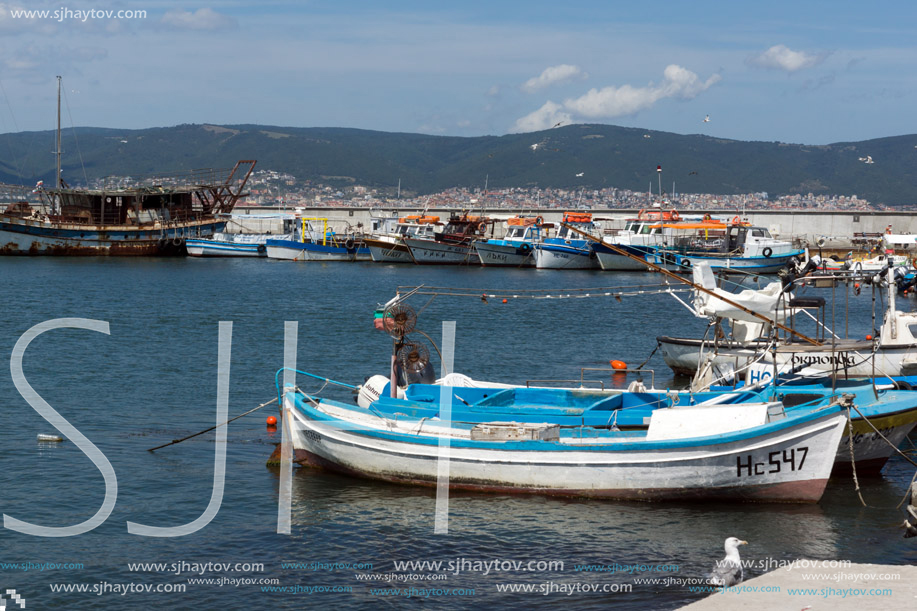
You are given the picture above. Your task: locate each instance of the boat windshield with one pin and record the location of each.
(516, 232)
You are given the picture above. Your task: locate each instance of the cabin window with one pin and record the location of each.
(759, 233)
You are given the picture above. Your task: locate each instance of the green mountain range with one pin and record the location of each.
(605, 155)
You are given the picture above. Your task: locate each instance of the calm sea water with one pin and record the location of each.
(153, 379)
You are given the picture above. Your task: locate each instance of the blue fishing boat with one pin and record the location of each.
(754, 451)
(568, 250)
(517, 248)
(318, 245)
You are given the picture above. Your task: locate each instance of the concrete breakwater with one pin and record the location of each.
(836, 230)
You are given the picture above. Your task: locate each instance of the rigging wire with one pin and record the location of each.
(73, 129)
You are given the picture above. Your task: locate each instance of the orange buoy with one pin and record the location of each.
(272, 420)
(504, 301)
(618, 364)
(869, 337)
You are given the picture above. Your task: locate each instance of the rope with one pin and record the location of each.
(640, 366)
(893, 446)
(174, 441)
(852, 461)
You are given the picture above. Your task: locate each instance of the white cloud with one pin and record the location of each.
(201, 19)
(545, 117)
(610, 102)
(553, 75)
(780, 57)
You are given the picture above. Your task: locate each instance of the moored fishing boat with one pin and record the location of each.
(454, 245)
(516, 248)
(567, 250)
(639, 237)
(389, 247)
(733, 459)
(318, 245)
(152, 217)
(735, 245)
(226, 244)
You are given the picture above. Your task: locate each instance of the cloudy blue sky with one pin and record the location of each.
(806, 72)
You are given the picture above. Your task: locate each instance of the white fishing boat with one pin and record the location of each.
(390, 247)
(640, 237)
(454, 245)
(753, 453)
(892, 353)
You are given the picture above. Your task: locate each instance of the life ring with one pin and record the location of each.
(177, 241)
(262, 248)
(348, 243)
(525, 247)
(675, 215)
(640, 214)
(482, 226)
(686, 263)
(820, 242)
(768, 251)
(736, 220)
(539, 220)
(707, 217)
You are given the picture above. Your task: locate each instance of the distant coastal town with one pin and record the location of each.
(278, 189)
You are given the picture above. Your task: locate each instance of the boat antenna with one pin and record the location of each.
(59, 182)
(659, 176)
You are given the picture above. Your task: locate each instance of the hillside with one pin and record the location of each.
(608, 156)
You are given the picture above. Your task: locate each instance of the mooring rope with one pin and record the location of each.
(852, 461)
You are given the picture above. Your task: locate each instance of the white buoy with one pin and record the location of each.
(43, 437)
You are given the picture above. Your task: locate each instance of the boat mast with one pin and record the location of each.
(58, 183)
(58, 151)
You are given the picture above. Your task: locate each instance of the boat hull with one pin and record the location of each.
(854, 359)
(734, 469)
(561, 257)
(217, 248)
(431, 252)
(505, 255)
(383, 251)
(291, 250)
(33, 237)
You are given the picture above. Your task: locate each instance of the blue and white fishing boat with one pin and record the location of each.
(640, 238)
(516, 248)
(753, 451)
(242, 244)
(568, 250)
(228, 245)
(723, 246)
(318, 245)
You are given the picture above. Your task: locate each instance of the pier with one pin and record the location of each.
(851, 588)
(836, 228)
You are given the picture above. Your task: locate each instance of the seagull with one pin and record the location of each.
(707, 119)
(580, 174)
(534, 147)
(647, 136)
(728, 571)
(692, 173)
(124, 142)
(867, 159)
(558, 124)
